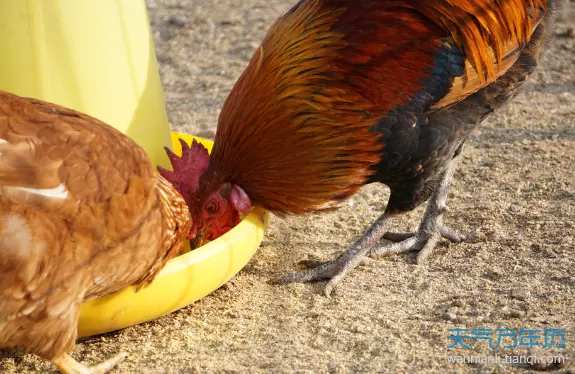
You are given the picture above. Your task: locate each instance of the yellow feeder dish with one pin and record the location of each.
(183, 280)
(98, 57)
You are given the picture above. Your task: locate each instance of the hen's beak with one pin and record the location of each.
(198, 240)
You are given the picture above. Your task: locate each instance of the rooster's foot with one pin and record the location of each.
(448, 233)
(423, 241)
(404, 242)
(336, 270)
(333, 271)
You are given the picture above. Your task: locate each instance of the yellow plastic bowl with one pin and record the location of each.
(183, 280)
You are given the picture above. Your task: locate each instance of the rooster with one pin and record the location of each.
(343, 93)
(82, 215)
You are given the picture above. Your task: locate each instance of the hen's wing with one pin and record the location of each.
(74, 194)
(72, 165)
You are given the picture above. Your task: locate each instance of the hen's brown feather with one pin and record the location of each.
(82, 215)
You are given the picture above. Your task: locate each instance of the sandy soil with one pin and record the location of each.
(513, 195)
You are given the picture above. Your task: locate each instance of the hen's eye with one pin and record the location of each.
(212, 207)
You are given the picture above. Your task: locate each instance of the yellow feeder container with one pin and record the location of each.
(98, 57)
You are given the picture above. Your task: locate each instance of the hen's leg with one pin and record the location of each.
(430, 229)
(68, 365)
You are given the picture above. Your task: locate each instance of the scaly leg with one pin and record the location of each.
(68, 365)
(430, 229)
(336, 269)
(429, 233)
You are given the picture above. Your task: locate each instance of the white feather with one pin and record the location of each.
(2, 141)
(59, 192)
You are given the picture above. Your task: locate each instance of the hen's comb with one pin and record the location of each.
(189, 167)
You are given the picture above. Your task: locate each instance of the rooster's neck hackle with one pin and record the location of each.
(289, 134)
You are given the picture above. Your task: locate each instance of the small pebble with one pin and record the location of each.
(472, 313)
(207, 134)
(569, 33)
(516, 313)
(459, 303)
(180, 21)
(231, 313)
(520, 294)
(449, 316)
(453, 310)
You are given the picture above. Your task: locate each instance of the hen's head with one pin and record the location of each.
(214, 210)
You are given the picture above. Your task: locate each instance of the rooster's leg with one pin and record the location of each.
(336, 269)
(424, 241)
(430, 229)
(68, 365)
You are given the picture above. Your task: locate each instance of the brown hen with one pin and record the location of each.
(82, 215)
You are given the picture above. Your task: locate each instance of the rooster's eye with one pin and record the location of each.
(212, 207)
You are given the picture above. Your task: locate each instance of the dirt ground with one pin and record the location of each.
(513, 195)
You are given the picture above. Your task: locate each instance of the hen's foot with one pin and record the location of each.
(68, 365)
(336, 270)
